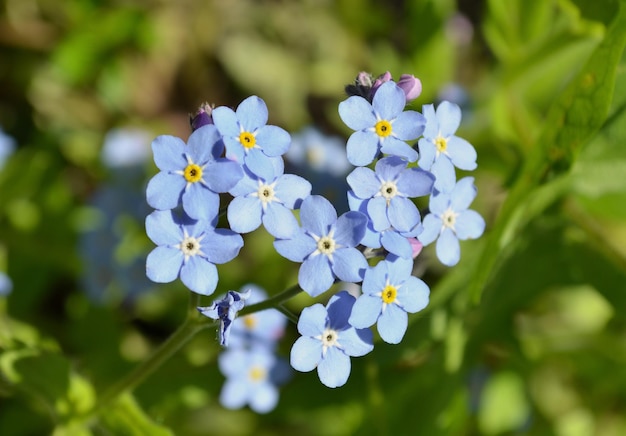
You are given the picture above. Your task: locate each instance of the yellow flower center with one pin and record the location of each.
(441, 143)
(249, 322)
(389, 294)
(193, 173)
(383, 128)
(247, 139)
(257, 373)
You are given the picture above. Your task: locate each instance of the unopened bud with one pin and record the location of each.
(202, 117)
(411, 85)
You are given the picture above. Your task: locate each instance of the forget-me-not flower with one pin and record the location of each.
(248, 138)
(189, 249)
(440, 149)
(268, 198)
(225, 310)
(380, 126)
(389, 293)
(450, 220)
(312, 149)
(192, 173)
(325, 245)
(328, 340)
(125, 147)
(388, 191)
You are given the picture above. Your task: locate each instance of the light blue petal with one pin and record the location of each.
(163, 264)
(432, 228)
(389, 101)
(273, 140)
(396, 147)
(357, 113)
(234, 393)
(363, 182)
(258, 163)
(350, 229)
(356, 342)
(306, 353)
(315, 276)
(463, 194)
(462, 153)
(449, 118)
(199, 275)
(233, 362)
(365, 311)
(247, 184)
(221, 245)
(162, 229)
(312, 321)
(349, 264)
(252, 113)
(413, 295)
(415, 182)
(392, 324)
(439, 203)
(280, 221)
(469, 225)
(334, 369)
(297, 247)
(427, 153)
(199, 202)
(362, 148)
(234, 149)
(375, 278)
(244, 214)
(226, 122)
(448, 248)
(164, 190)
(403, 214)
(377, 211)
(264, 398)
(169, 153)
(398, 270)
(204, 144)
(389, 168)
(222, 175)
(291, 190)
(445, 176)
(431, 130)
(317, 215)
(396, 244)
(409, 125)
(339, 307)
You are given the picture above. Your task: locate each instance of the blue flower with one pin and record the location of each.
(440, 150)
(6, 284)
(269, 199)
(252, 377)
(248, 138)
(7, 147)
(389, 293)
(260, 329)
(124, 147)
(328, 340)
(381, 126)
(325, 154)
(192, 173)
(388, 191)
(450, 220)
(189, 249)
(225, 310)
(325, 246)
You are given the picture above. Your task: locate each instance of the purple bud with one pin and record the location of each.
(416, 246)
(379, 81)
(411, 85)
(202, 117)
(364, 79)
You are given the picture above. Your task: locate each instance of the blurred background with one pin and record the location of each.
(527, 335)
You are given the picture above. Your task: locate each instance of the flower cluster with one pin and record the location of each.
(400, 155)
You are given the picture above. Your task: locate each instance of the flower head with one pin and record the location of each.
(325, 245)
(192, 174)
(450, 220)
(389, 293)
(124, 147)
(380, 126)
(188, 248)
(225, 310)
(328, 340)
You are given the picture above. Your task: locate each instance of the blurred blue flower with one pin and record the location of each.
(7, 148)
(192, 173)
(6, 284)
(325, 246)
(450, 220)
(124, 147)
(380, 126)
(440, 150)
(322, 153)
(388, 191)
(225, 310)
(189, 249)
(252, 377)
(269, 199)
(328, 340)
(248, 138)
(389, 293)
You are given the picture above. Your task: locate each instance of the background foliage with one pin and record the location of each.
(525, 335)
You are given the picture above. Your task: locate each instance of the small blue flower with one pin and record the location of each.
(124, 147)
(6, 284)
(381, 126)
(440, 150)
(325, 246)
(225, 310)
(450, 220)
(189, 249)
(7, 147)
(252, 377)
(325, 154)
(248, 138)
(269, 199)
(389, 293)
(192, 173)
(388, 191)
(328, 340)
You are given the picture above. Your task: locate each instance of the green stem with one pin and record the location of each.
(272, 303)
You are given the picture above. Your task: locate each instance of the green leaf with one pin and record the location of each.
(126, 418)
(504, 406)
(45, 375)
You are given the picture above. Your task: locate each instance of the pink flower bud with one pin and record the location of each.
(411, 85)
(416, 246)
(379, 81)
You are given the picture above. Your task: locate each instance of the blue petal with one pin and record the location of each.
(296, 248)
(463, 194)
(306, 353)
(233, 363)
(413, 295)
(258, 163)
(365, 311)
(244, 214)
(273, 140)
(449, 118)
(399, 270)
(169, 152)
(431, 130)
(403, 214)
(221, 245)
(204, 144)
(439, 203)
(291, 190)
(389, 168)
(432, 228)
(396, 147)
(199, 202)
(409, 125)
(315, 276)
(356, 342)
(448, 249)
(312, 321)
(226, 122)
(462, 153)
(415, 182)
(252, 113)
(445, 176)
(234, 149)
(162, 229)
(334, 369)
(375, 278)
(339, 307)
(317, 215)
(234, 393)
(350, 229)
(222, 175)
(362, 148)
(163, 264)
(469, 225)
(377, 211)
(392, 324)
(363, 182)
(357, 113)
(427, 153)
(264, 398)
(279, 221)
(396, 244)
(349, 264)
(164, 190)
(389, 101)
(199, 275)
(248, 184)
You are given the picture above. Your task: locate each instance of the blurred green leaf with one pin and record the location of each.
(126, 418)
(504, 406)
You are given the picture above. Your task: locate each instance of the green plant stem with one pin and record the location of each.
(272, 303)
